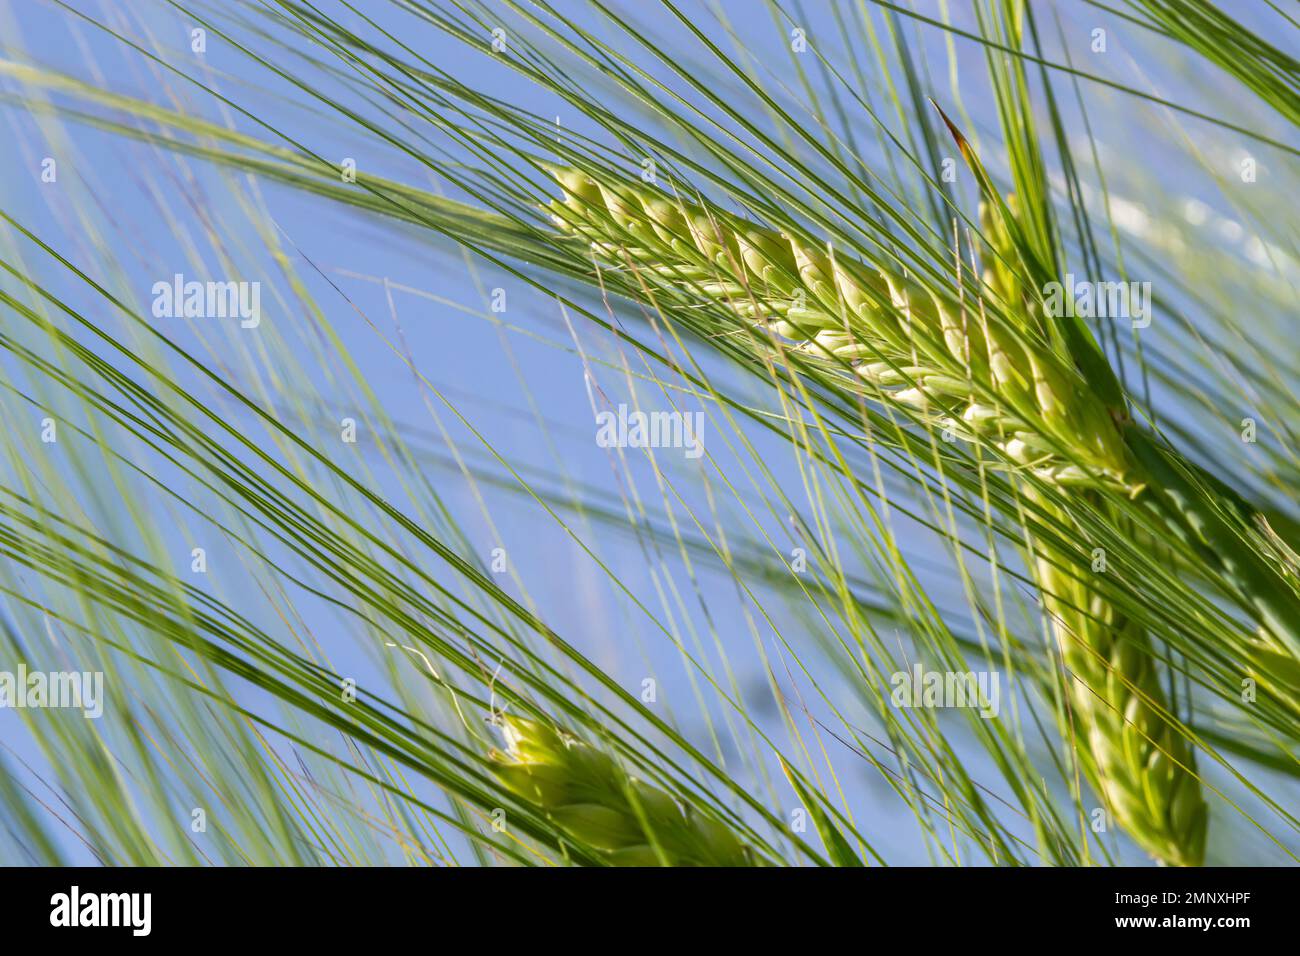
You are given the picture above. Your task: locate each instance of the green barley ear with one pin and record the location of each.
(593, 799)
(955, 368)
(1143, 766)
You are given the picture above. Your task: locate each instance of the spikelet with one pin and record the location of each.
(592, 799)
(958, 370)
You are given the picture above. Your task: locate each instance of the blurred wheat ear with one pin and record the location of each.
(592, 799)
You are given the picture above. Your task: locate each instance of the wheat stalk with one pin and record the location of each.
(598, 804)
(960, 372)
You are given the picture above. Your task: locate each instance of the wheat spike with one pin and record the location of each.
(589, 795)
(958, 370)
(1143, 766)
